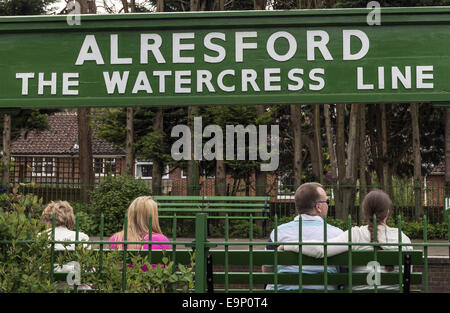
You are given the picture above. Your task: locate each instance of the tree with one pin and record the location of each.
(417, 159)
(35, 118)
(447, 150)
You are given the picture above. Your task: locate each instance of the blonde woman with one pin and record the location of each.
(139, 213)
(64, 223)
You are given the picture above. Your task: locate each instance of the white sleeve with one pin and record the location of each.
(317, 251)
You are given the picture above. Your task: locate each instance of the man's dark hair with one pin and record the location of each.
(306, 197)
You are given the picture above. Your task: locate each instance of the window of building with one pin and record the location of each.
(44, 166)
(104, 166)
(144, 168)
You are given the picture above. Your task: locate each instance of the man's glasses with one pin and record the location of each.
(324, 201)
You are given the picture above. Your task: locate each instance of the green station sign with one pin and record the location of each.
(220, 58)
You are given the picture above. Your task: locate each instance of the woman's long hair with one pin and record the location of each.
(377, 203)
(139, 213)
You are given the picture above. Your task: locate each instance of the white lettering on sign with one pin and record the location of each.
(89, 43)
(321, 44)
(346, 35)
(401, 77)
(178, 47)
(271, 46)
(222, 66)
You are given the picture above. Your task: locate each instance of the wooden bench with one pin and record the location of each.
(247, 276)
(237, 207)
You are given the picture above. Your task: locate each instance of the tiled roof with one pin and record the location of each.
(59, 140)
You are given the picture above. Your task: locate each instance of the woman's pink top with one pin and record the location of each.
(156, 246)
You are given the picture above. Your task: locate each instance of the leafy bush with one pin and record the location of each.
(88, 221)
(112, 198)
(108, 279)
(24, 267)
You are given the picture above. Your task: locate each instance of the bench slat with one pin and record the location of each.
(309, 279)
(262, 257)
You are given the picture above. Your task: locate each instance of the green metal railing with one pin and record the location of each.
(251, 255)
(282, 198)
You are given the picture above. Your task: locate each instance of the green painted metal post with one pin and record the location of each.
(200, 252)
(52, 253)
(350, 265)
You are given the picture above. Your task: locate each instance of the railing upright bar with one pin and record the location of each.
(275, 255)
(124, 258)
(325, 255)
(77, 236)
(52, 252)
(174, 238)
(425, 251)
(300, 254)
(375, 240)
(350, 264)
(227, 231)
(200, 252)
(102, 229)
(150, 238)
(251, 254)
(400, 271)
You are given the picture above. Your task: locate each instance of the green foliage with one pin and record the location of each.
(24, 267)
(166, 277)
(112, 198)
(88, 221)
(29, 203)
(241, 229)
(24, 7)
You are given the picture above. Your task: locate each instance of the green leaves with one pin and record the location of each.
(112, 198)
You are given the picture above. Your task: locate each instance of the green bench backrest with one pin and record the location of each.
(234, 267)
(242, 276)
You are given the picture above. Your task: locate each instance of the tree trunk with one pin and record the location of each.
(125, 6)
(447, 150)
(221, 174)
(296, 127)
(331, 147)
(350, 175)
(259, 4)
(192, 169)
(362, 157)
(160, 6)
(340, 157)
(318, 142)
(129, 142)
(417, 160)
(6, 149)
(260, 176)
(158, 167)
(158, 129)
(384, 151)
(85, 153)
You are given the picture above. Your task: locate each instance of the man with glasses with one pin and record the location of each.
(311, 202)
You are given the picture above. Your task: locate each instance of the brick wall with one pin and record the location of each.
(438, 275)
